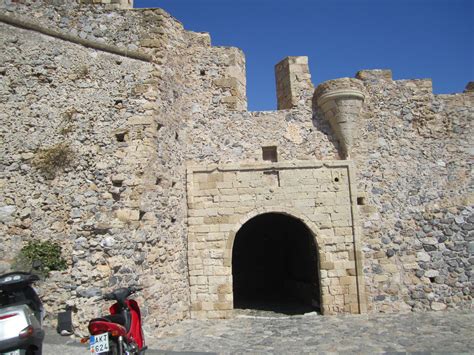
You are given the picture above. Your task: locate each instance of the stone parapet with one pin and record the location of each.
(112, 4)
(374, 74)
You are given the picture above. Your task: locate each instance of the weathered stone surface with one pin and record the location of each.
(299, 188)
(401, 219)
(6, 212)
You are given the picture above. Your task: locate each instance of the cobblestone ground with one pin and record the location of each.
(431, 332)
(445, 332)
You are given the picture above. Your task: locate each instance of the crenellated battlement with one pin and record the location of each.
(293, 82)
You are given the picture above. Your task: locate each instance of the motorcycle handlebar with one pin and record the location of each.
(108, 297)
(133, 289)
(121, 292)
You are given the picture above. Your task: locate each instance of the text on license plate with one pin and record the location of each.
(99, 343)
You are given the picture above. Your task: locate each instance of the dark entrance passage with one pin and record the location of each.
(274, 265)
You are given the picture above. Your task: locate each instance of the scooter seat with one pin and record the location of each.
(112, 318)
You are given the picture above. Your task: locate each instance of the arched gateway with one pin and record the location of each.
(279, 236)
(275, 265)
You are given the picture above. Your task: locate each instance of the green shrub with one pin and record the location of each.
(52, 160)
(48, 253)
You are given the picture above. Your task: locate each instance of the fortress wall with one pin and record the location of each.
(133, 30)
(241, 136)
(223, 134)
(122, 218)
(412, 151)
(413, 157)
(134, 126)
(118, 209)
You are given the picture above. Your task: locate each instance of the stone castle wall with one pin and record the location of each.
(118, 91)
(117, 209)
(414, 158)
(141, 102)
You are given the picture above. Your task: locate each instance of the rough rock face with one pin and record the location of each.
(444, 243)
(118, 208)
(414, 161)
(130, 99)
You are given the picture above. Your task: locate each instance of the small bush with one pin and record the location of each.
(48, 253)
(54, 159)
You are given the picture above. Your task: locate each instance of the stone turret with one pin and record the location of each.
(341, 101)
(112, 4)
(293, 82)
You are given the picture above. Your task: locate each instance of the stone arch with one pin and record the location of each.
(279, 270)
(291, 212)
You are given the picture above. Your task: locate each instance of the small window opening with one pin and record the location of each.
(203, 72)
(173, 183)
(117, 183)
(159, 126)
(270, 154)
(336, 179)
(432, 279)
(176, 136)
(140, 216)
(173, 219)
(118, 102)
(120, 136)
(158, 181)
(361, 201)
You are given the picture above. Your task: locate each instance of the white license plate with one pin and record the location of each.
(14, 352)
(99, 343)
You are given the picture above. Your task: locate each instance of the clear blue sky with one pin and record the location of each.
(413, 38)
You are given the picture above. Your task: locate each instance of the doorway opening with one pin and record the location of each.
(275, 265)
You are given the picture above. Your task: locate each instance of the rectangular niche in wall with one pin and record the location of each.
(270, 153)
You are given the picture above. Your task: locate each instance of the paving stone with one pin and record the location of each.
(445, 332)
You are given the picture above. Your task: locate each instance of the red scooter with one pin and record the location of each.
(121, 331)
